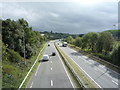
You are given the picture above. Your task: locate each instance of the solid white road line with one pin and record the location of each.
(114, 82)
(37, 70)
(85, 72)
(30, 70)
(64, 68)
(51, 82)
(31, 85)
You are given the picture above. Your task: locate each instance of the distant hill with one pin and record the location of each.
(54, 35)
(51, 35)
(115, 33)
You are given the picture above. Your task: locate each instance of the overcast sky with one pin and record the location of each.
(67, 17)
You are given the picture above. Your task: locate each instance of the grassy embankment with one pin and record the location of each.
(13, 73)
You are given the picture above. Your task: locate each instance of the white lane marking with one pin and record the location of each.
(37, 70)
(100, 70)
(64, 68)
(102, 66)
(85, 73)
(51, 68)
(51, 82)
(51, 61)
(31, 85)
(114, 82)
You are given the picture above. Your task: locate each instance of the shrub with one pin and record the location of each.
(14, 56)
(115, 55)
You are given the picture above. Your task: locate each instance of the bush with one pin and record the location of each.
(102, 56)
(10, 76)
(115, 55)
(14, 56)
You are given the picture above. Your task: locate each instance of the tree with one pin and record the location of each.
(78, 41)
(85, 41)
(115, 54)
(105, 42)
(69, 39)
(93, 38)
(19, 36)
(89, 40)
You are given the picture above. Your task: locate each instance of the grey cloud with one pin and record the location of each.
(65, 17)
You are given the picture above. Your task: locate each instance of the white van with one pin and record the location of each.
(64, 44)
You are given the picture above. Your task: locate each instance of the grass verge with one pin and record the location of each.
(103, 62)
(87, 82)
(35, 66)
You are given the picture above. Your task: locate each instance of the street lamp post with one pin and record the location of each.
(114, 26)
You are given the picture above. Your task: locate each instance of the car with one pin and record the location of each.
(48, 44)
(53, 54)
(45, 57)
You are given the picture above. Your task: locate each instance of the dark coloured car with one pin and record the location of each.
(53, 54)
(48, 44)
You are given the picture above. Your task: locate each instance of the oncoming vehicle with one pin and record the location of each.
(64, 44)
(45, 57)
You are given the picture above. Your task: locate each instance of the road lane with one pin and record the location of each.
(104, 76)
(50, 74)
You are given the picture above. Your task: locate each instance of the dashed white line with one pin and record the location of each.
(31, 85)
(65, 69)
(51, 82)
(37, 70)
(51, 61)
(51, 68)
(114, 82)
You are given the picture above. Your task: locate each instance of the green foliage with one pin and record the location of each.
(10, 55)
(10, 73)
(105, 42)
(115, 34)
(89, 40)
(52, 36)
(101, 44)
(70, 39)
(14, 56)
(78, 41)
(18, 34)
(115, 54)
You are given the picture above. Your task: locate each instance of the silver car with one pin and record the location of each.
(45, 57)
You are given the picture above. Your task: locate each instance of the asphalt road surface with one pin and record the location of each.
(99, 74)
(50, 74)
